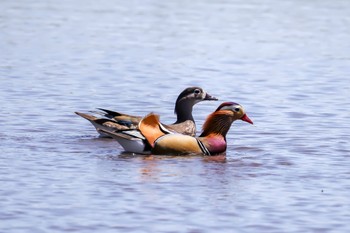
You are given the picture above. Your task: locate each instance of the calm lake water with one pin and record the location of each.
(287, 62)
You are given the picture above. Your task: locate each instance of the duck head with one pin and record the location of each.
(236, 111)
(187, 99)
(219, 122)
(194, 95)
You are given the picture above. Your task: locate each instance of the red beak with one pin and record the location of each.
(246, 118)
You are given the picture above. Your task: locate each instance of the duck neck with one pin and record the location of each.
(183, 110)
(217, 124)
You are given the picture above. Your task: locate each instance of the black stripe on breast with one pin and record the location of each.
(203, 148)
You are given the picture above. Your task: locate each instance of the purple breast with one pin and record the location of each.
(216, 145)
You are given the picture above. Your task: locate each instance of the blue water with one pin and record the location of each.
(287, 62)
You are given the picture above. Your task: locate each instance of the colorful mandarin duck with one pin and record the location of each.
(212, 141)
(123, 123)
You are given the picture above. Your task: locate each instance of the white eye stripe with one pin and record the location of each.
(235, 108)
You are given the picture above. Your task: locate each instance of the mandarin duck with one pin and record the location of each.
(212, 140)
(123, 123)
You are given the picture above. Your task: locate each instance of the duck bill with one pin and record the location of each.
(209, 97)
(246, 119)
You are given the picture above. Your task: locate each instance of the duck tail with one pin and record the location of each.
(86, 116)
(151, 128)
(110, 114)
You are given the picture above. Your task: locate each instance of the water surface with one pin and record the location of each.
(286, 62)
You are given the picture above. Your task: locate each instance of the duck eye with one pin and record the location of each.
(237, 109)
(196, 91)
